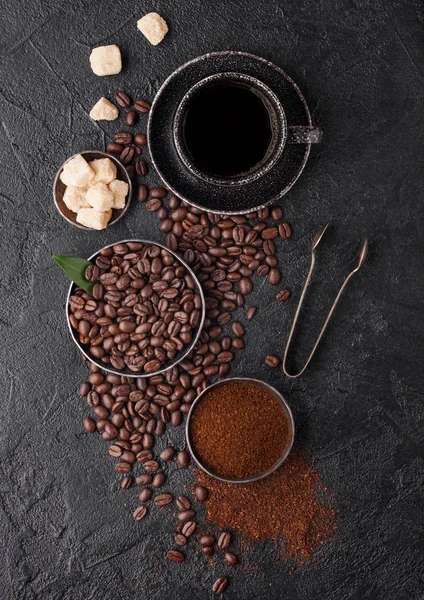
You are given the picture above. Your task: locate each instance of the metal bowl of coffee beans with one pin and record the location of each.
(146, 311)
(92, 190)
(240, 430)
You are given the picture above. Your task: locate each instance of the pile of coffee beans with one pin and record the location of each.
(144, 311)
(226, 253)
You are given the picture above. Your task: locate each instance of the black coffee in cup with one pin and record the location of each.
(227, 128)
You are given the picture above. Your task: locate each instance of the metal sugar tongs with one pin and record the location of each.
(361, 261)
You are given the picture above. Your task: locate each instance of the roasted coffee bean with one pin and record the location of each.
(167, 454)
(158, 480)
(175, 556)
(127, 155)
(114, 148)
(208, 550)
(158, 192)
(188, 528)
(139, 513)
(201, 493)
(272, 361)
(131, 118)
(238, 329)
(151, 466)
(92, 273)
(183, 503)
(269, 233)
(123, 137)
(224, 540)
(231, 558)
(142, 106)
(142, 193)
(225, 357)
(245, 286)
(144, 479)
(180, 539)
(284, 230)
(207, 540)
(122, 99)
(274, 276)
(122, 467)
(141, 167)
(140, 139)
(89, 424)
(115, 451)
(145, 494)
(126, 482)
(183, 458)
(186, 515)
(153, 205)
(251, 313)
(220, 585)
(283, 295)
(163, 500)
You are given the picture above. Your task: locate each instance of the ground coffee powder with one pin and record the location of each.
(238, 429)
(291, 506)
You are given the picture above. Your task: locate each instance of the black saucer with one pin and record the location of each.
(211, 197)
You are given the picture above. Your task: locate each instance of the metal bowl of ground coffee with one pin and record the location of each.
(240, 430)
(180, 353)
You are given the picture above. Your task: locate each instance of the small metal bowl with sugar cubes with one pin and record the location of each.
(92, 190)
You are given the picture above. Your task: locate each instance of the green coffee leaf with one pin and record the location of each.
(75, 268)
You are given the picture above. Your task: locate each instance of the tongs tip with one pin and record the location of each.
(318, 237)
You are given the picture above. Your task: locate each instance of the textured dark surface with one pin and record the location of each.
(66, 528)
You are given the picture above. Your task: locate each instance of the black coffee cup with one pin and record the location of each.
(230, 129)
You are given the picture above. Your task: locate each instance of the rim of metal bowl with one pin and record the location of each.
(126, 372)
(286, 409)
(101, 154)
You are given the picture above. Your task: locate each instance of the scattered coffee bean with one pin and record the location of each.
(284, 230)
(283, 295)
(175, 556)
(180, 539)
(220, 585)
(141, 167)
(183, 503)
(144, 479)
(163, 500)
(127, 155)
(201, 493)
(272, 361)
(139, 513)
(158, 480)
(142, 106)
(131, 118)
(114, 148)
(189, 528)
(207, 540)
(251, 313)
(140, 139)
(208, 550)
(186, 515)
(145, 495)
(224, 540)
(183, 458)
(122, 137)
(167, 454)
(122, 99)
(126, 482)
(89, 424)
(142, 193)
(231, 558)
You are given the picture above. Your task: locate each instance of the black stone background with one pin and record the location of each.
(66, 527)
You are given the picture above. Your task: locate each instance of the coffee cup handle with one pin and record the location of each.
(299, 134)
